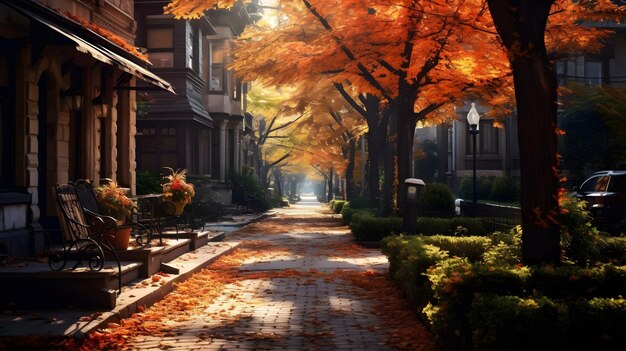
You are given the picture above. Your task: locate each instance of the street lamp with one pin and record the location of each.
(73, 99)
(473, 118)
(413, 190)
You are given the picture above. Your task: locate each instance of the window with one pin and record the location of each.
(5, 141)
(561, 71)
(486, 140)
(216, 65)
(597, 183)
(236, 89)
(593, 72)
(618, 184)
(160, 42)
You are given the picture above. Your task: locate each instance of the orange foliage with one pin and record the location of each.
(398, 322)
(116, 39)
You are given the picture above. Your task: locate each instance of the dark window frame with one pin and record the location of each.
(161, 25)
(215, 66)
(481, 142)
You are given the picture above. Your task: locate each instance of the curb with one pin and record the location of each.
(241, 224)
(144, 301)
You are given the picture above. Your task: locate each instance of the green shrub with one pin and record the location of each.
(471, 247)
(614, 250)
(346, 213)
(436, 200)
(433, 225)
(474, 226)
(456, 283)
(597, 324)
(513, 323)
(149, 183)
(504, 189)
(458, 226)
(367, 227)
(337, 205)
(505, 249)
(447, 277)
(483, 187)
(465, 188)
(360, 202)
(566, 281)
(572, 281)
(409, 258)
(580, 240)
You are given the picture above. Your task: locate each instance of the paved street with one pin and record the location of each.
(296, 283)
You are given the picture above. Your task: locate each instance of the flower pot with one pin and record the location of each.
(179, 207)
(119, 239)
(174, 208)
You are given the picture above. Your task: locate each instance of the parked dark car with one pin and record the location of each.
(605, 193)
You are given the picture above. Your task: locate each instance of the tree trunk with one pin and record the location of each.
(350, 169)
(278, 182)
(293, 190)
(405, 133)
(521, 25)
(373, 148)
(388, 156)
(373, 167)
(330, 185)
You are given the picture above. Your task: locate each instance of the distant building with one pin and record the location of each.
(497, 148)
(68, 72)
(202, 128)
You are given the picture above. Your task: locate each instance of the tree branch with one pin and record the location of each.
(364, 71)
(358, 108)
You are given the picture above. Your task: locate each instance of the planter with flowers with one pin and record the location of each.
(113, 202)
(177, 191)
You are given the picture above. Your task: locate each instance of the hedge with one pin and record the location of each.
(346, 213)
(366, 227)
(513, 323)
(445, 278)
(460, 226)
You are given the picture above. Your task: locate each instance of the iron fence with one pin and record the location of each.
(494, 217)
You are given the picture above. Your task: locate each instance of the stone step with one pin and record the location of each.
(34, 284)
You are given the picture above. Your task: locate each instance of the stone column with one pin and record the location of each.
(27, 129)
(237, 149)
(132, 145)
(112, 138)
(223, 141)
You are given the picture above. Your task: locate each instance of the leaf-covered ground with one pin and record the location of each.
(296, 283)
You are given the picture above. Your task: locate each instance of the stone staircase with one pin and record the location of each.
(33, 284)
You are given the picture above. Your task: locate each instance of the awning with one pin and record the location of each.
(99, 52)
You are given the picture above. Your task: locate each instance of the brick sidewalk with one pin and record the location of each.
(300, 296)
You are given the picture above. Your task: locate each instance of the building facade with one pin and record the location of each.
(68, 72)
(497, 148)
(202, 129)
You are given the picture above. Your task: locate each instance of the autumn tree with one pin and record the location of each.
(523, 26)
(414, 74)
(420, 57)
(271, 122)
(306, 121)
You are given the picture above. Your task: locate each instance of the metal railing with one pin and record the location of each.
(494, 217)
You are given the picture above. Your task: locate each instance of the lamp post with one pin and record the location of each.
(473, 118)
(73, 99)
(412, 190)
